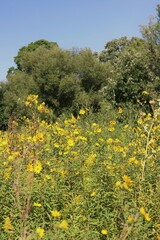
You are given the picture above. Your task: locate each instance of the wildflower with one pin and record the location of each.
(77, 199)
(10, 158)
(37, 204)
(6, 175)
(109, 140)
(70, 142)
(82, 112)
(97, 130)
(145, 93)
(127, 182)
(112, 123)
(126, 126)
(38, 138)
(7, 225)
(48, 177)
(73, 119)
(118, 184)
(94, 125)
(46, 110)
(120, 110)
(38, 167)
(55, 214)
(131, 160)
(27, 104)
(145, 215)
(32, 98)
(104, 231)
(56, 145)
(140, 121)
(30, 168)
(130, 219)
(92, 194)
(40, 232)
(111, 129)
(64, 225)
(148, 117)
(41, 107)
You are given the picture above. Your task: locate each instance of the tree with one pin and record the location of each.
(113, 49)
(151, 34)
(92, 73)
(68, 90)
(31, 48)
(12, 96)
(131, 75)
(128, 58)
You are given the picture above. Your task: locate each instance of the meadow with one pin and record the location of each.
(94, 176)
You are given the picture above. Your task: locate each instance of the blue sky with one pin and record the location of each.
(70, 23)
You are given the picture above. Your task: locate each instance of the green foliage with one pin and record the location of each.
(151, 33)
(131, 75)
(113, 49)
(17, 88)
(68, 89)
(92, 73)
(31, 48)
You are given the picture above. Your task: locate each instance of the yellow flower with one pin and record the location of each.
(30, 168)
(97, 130)
(32, 98)
(109, 140)
(38, 138)
(56, 145)
(130, 219)
(118, 184)
(55, 213)
(40, 232)
(41, 107)
(38, 167)
(127, 180)
(120, 110)
(145, 215)
(140, 121)
(111, 129)
(73, 119)
(64, 225)
(92, 194)
(7, 225)
(46, 110)
(112, 123)
(70, 142)
(126, 126)
(27, 104)
(104, 231)
(37, 204)
(82, 112)
(145, 93)
(148, 117)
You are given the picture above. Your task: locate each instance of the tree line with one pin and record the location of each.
(125, 73)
